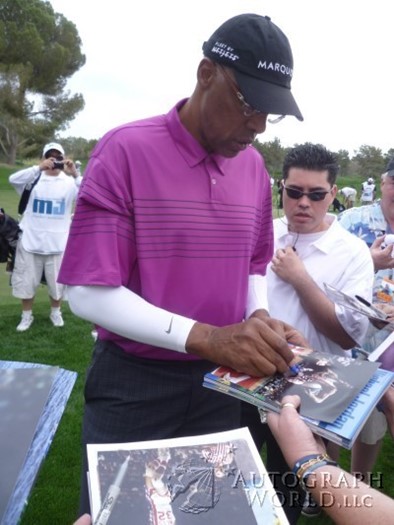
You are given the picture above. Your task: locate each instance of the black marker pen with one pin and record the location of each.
(364, 301)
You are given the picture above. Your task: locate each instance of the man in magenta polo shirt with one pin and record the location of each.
(169, 246)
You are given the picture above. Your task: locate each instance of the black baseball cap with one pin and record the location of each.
(260, 55)
(390, 168)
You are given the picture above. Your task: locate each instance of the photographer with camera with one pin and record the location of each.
(48, 192)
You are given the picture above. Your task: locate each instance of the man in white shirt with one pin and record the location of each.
(45, 224)
(368, 191)
(350, 195)
(311, 249)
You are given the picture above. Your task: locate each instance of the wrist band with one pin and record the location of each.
(308, 464)
(304, 459)
(304, 480)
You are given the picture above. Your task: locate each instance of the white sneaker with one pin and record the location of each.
(25, 323)
(57, 319)
(94, 334)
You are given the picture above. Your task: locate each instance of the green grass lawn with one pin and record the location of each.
(54, 499)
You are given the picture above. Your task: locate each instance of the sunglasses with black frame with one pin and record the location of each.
(315, 196)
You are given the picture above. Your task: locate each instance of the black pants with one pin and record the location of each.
(283, 480)
(132, 399)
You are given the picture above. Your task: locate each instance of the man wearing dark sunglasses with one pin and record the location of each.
(311, 249)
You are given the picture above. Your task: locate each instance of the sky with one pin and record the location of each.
(142, 57)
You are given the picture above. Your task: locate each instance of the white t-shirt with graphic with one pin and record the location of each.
(47, 218)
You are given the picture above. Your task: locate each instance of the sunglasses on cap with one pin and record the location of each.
(314, 196)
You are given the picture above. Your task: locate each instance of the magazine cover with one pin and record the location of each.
(325, 383)
(356, 303)
(344, 430)
(214, 478)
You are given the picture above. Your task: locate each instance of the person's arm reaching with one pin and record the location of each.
(344, 498)
(252, 346)
(125, 313)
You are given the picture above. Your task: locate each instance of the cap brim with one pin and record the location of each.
(52, 146)
(267, 97)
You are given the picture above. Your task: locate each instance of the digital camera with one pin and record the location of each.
(57, 165)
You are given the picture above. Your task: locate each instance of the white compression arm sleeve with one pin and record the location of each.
(125, 313)
(257, 294)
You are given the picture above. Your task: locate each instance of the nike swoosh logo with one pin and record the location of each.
(170, 327)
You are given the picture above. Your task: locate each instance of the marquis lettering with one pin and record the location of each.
(274, 66)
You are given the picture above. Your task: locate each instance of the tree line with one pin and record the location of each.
(367, 161)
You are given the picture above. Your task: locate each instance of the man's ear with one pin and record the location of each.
(334, 191)
(206, 72)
